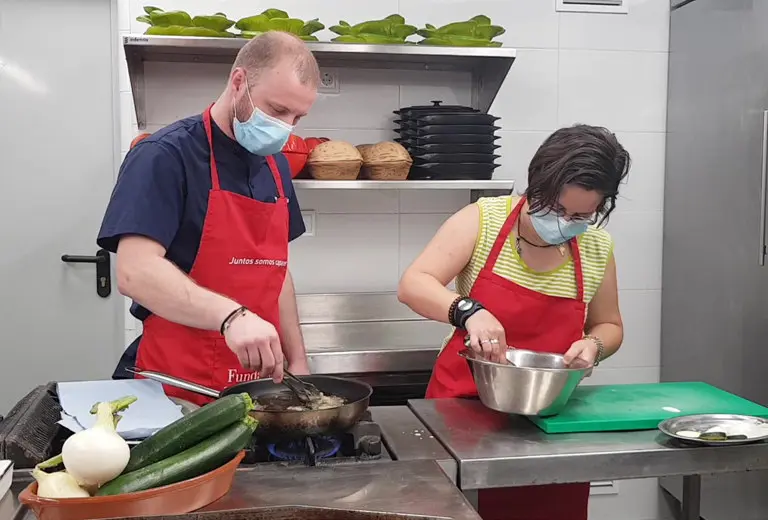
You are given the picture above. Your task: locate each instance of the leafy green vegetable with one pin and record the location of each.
(391, 29)
(312, 26)
(278, 20)
(165, 30)
(167, 18)
(275, 13)
(290, 25)
(452, 40)
(469, 33)
(367, 38)
(258, 23)
(215, 22)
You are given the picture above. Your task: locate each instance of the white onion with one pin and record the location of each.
(57, 485)
(96, 455)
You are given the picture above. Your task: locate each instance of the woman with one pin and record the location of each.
(535, 272)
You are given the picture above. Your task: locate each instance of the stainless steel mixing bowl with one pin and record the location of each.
(534, 383)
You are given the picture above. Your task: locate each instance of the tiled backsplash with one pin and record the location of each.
(599, 69)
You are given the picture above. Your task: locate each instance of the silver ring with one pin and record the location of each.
(486, 341)
(494, 341)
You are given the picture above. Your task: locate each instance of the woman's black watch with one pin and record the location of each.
(461, 310)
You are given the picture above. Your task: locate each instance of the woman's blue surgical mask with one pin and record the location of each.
(554, 229)
(262, 134)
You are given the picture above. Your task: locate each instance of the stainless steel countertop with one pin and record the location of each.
(406, 438)
(498, 450)
(416, 487)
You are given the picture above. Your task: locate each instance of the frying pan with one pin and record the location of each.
(288, 423)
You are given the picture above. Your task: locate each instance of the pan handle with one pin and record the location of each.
(176, 382)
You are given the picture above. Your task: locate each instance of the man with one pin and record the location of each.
(200, 219)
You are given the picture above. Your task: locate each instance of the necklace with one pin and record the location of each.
(519, 238)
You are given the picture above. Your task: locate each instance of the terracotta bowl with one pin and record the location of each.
(175, 499)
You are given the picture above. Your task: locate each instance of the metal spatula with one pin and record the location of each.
(305, 392)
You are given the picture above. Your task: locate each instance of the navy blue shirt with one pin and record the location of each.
(162, 190)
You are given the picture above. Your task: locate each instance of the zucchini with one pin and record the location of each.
(189, 430)
(206, 456)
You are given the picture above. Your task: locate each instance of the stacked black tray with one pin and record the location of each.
(448, 142)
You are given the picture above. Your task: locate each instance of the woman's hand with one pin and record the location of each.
(582, 351)
(486, 336)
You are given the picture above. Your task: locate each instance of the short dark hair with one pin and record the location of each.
(590, 157)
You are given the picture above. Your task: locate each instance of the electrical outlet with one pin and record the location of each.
(309, 222)
(329, 81)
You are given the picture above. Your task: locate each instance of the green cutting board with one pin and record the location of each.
(641, 407)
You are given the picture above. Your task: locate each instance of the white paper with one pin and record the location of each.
(151, 411)
(6, 477)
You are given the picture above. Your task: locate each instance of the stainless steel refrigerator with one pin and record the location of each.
(715, 273)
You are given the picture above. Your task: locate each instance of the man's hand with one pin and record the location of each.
(256, 344)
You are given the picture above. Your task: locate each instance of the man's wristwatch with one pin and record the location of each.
(461, 310)
(600, 348)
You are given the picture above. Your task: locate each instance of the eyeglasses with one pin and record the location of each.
(590, 220)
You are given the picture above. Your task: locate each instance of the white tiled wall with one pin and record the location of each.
(604, 69)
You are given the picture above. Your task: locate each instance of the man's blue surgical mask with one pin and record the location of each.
(262, 134)
(554, 229)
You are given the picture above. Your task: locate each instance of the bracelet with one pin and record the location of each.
(240, 311)
(600, 348)
(452, 311)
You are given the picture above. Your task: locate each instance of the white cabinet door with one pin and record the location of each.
(58, 157)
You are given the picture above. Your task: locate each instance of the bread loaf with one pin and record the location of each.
(334, 151)
(385, 152)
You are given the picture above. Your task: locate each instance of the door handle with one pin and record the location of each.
(103, 269)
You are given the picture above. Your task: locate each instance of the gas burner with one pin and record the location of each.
(362, 442)
(309, 449)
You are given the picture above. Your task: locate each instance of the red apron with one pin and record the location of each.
(532, 321)
(243, 255)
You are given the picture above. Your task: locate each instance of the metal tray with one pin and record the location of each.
(703, 422)
(448, 139)
(452, 171)
(436, 108)
(453, 148)
(453, 158)
(449, 129)
(456, 118)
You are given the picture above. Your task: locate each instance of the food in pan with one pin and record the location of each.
(287, 402)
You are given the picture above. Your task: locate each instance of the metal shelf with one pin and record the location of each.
(504, 185)
(488, 65)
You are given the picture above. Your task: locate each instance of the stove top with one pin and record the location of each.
(361, 443)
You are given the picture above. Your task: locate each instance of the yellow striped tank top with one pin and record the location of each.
(595, 248)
